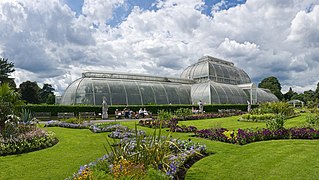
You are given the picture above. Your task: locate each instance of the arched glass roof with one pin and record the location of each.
(217, 70)
(127, 89)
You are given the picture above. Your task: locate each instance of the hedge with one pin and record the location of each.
(54, 109)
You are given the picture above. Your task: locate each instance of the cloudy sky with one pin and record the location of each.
(54, 41)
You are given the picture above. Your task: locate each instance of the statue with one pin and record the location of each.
(104, 109)
(248, 107)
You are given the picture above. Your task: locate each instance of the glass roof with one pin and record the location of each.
(212, 69)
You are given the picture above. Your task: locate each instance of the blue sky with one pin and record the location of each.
(55, 41)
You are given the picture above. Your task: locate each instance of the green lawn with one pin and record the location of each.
(280, 159)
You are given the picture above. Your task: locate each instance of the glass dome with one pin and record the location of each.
(217, 70)
(127, 89)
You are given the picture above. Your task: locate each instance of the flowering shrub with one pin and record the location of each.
(67, 125)
(245, 136)
(28, 141)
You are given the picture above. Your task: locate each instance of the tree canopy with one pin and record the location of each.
(30, 92)
(273, 85)
(6, 68)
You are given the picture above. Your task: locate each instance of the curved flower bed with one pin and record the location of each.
(67, 125)
(102, 127)
(245, 136)
(181, 155)
(26, 142)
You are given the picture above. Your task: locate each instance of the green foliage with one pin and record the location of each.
(282, 108)
(288, 95)
(30, 92)
(6, 68)
(273, 85)
(181, 113)
(9, 101)
(46, 94)
(74, 120)
(312, 119)
(277, 123)
(153, 174)
(163, 115)
(257, 117)
(26, 116)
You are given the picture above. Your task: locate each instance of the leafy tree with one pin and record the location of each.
(273, 85)
(309, 96)
(317, 91)
(46, 94)
(30, 92)
(6, 68)
(288, 95)
(9, 100)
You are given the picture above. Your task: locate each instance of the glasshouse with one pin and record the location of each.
(211, 80)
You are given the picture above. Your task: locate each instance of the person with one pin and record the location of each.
(145, 112)
(118, 114)
(141, 113)
(126, 113)
(200, 106)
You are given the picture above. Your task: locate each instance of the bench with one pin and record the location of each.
(87, 115)
(65, 115)
(42, 115)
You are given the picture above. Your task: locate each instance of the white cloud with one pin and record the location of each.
(50, 44)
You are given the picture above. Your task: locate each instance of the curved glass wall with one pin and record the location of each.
(125, 92)
(264, 95)
(217, 93)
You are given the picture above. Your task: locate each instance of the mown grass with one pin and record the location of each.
(280, 159)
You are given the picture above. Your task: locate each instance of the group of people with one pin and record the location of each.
(130, 114)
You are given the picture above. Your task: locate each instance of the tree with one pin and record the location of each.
(6, 68)
(309, 96)
(288, 95)
(46, 94)
(30, 92)
(317, 91)
(273, 85)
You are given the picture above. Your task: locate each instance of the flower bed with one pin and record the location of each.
(103, 127)
(245, 136)
(67, 125)
(183, 129)
(26, 142)
(121, 132)
(209, 116)
(180, 156)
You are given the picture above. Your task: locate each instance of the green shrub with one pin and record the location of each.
(181, 113)
(257, 117)
(277, 123)
(282, 108)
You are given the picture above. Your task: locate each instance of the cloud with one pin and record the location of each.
(49, 43)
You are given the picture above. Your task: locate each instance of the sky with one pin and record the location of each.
(55, 41)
